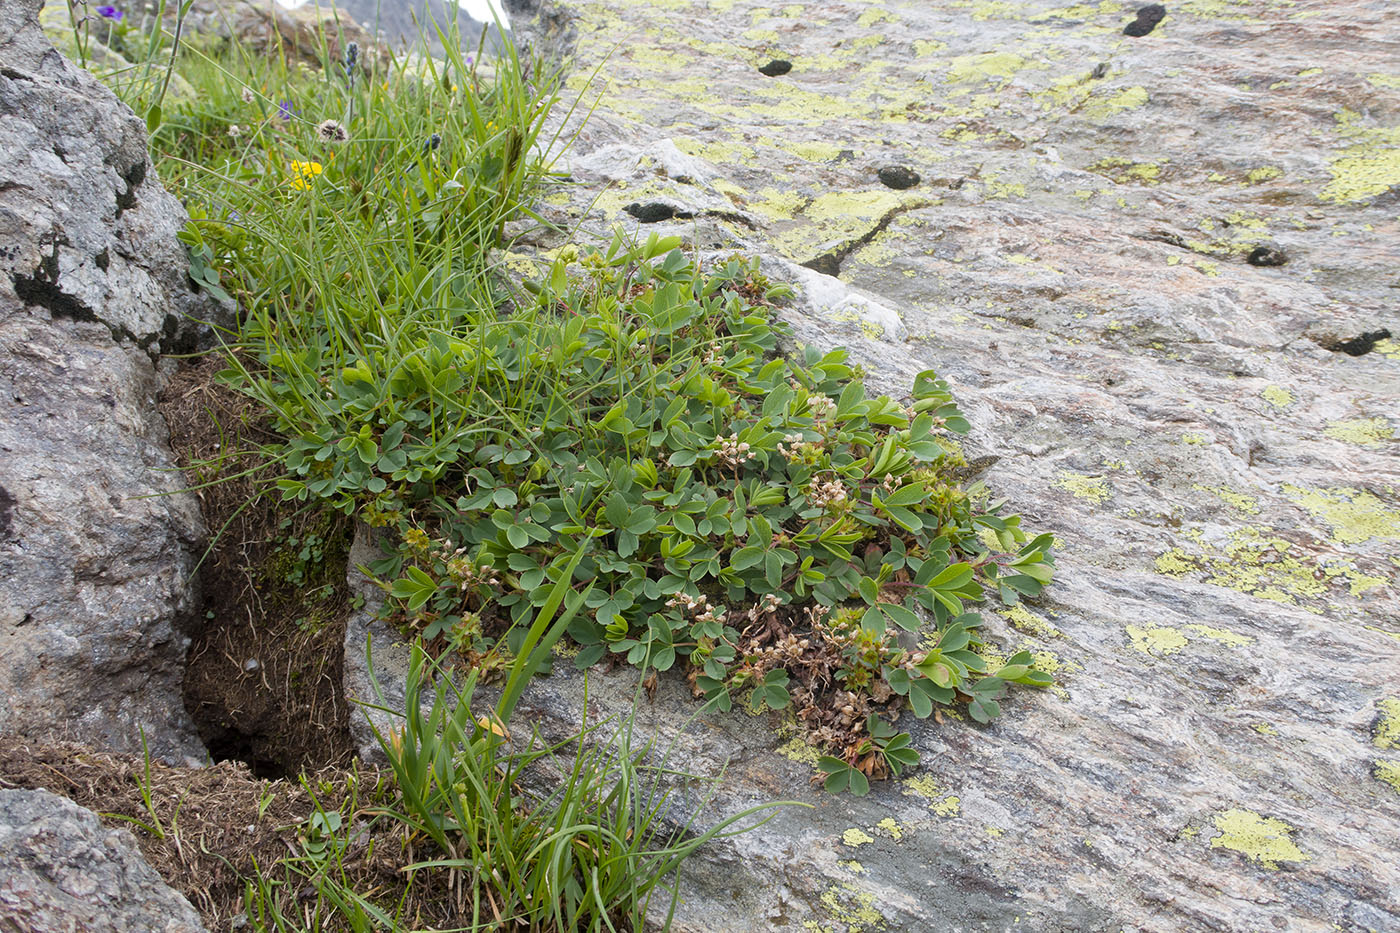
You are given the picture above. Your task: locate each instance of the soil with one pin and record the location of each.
(263, 677)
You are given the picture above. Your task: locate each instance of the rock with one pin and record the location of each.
(1359, 345)
(1220, 753)
(1147, 19)
(61, 870)
(775, 68)
(655, 211)
(1267, 254)
(898, 177)
(99, 538)
(299, 33)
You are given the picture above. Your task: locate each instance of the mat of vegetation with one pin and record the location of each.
(617, 450)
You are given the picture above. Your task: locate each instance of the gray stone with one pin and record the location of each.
(98, 540)
(61, 870)
(1223, 749)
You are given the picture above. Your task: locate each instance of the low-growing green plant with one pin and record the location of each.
(639, 407)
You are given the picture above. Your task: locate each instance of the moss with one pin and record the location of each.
(1092, 488)
(1386, 732)
(1277, 396)
(1356, 516)
(1264, 840)
(1366, 432)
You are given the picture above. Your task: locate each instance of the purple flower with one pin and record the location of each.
(110, 12)
(285, 111)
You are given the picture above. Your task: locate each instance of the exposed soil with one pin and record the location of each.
(263, 677)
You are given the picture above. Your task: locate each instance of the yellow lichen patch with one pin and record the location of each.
(1309, 72)
(984, 67)
(1277, 396)
(889, 825)
(1195, 438)
(1123, 171)
(994, 187)
(925, 48)
(922, 786)
(1262, 174)
(851, 907)
(1363, 173)
(1263, 728)
(717, 151)
(1388, 348)
(861, 207)
(802, 752)
(1387, 772)
(854, 867)
(1356, 516)
(1383, 80)
(949, 806)
(874, 15)
(1093, 488)
(1254, 562)
(1367, 432)
(814, 151)
(776, 205)
(1126, 99)
(1386, 733)
(1022, 618)
(856, 837)
(994, 832)
(1160, 641)
(1264, 839)
(1224, 636)
(1236, 500)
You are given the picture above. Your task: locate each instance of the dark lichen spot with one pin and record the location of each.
(1147, 19)
(778, 66)
(7, 512)
(1266, 254)
(898, 177)
(103, 260)
(133, 177)
(827, 263)
(1359, 345)
(1100, 71)
(655, 211)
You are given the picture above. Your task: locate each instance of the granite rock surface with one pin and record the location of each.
(1212, 438)
(98, 539)
(61, 870)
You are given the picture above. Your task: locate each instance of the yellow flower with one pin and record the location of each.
(303, 173)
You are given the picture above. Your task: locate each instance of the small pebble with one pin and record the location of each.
(898, 177)
(651, 212)
(778, 66)
(1267, 255)
(1147, 19)
(252, 665)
